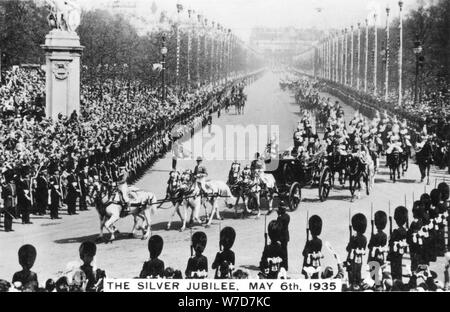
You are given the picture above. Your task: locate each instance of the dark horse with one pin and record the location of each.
(424, 158)
(357, 170)
(394, 161)
(337, 164)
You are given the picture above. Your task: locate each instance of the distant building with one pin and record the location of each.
(282, 45)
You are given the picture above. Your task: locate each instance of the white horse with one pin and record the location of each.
(218, 189)
(143, 205)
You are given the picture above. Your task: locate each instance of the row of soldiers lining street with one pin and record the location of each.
(423, 239)
(65, 182)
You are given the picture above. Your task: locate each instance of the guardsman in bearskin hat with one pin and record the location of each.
(284, 219)
(94, 277)
(356, 249)
(398, 245)
(439, 221)
(24, 195)
(378, 246)
(445, 192)
(197, 266)
(55, 192)
(26, 279)
(312, 253)
(225, 260)
(9, 196)
(154, 268)
(272, 258)
(416, 237)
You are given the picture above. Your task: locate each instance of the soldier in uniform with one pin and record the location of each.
(122, 187)
(82, 177)
(23, 195)
(312, 253)
(445, 191)
(439, 222)
(95, 278)
(356, 249)
(378, 247)
(26, 279)
(225, 259)
(55, 194)
(284, 219)
(272, 258)
(154, 268)
(9, 196)
(72, 191)
(397, 243)
(416, 237)
(42, 192)
(197, 266)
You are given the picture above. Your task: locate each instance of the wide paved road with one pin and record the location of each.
(57, 242)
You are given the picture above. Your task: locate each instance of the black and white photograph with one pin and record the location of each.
(224, 152)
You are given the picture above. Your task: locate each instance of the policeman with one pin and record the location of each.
(83, 181)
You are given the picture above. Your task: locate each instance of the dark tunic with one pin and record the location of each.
(197, 263)
(223, 258)
(270, 253)
(152, 269)
(28, 279)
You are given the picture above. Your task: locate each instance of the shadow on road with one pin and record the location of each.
(94, 238)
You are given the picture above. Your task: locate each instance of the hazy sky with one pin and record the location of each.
(242, 15)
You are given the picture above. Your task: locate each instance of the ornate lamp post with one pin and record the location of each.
(386, 81)
(351, 56)
(358, 67)
(366, 63)
(418, 49)
(400, 57)
(178, 29)
(375, 55)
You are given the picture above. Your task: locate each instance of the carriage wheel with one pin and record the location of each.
(287, 175)
(325, 184)
(295, 196)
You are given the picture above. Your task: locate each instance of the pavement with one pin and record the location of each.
(57, 242)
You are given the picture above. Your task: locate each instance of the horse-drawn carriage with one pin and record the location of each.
(293, 174)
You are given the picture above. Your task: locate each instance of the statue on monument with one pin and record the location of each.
(64, 15)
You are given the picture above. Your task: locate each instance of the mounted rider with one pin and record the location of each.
(122, 188)
(405, 137)
(394, 142)
(200, 174)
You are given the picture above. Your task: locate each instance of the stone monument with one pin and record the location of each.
(62, 53)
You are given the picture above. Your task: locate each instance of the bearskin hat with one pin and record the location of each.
(199, 240)
(155, 246)
(27, 256)
(418, 210)
(227, 237)
(315, 225)
(435, 196)
(401, 215)
(380, 220)
(275, 229)
(359, 223)
(426, 200)
(445, 191)
(88, 248)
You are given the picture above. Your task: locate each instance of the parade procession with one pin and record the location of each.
(182, 140)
